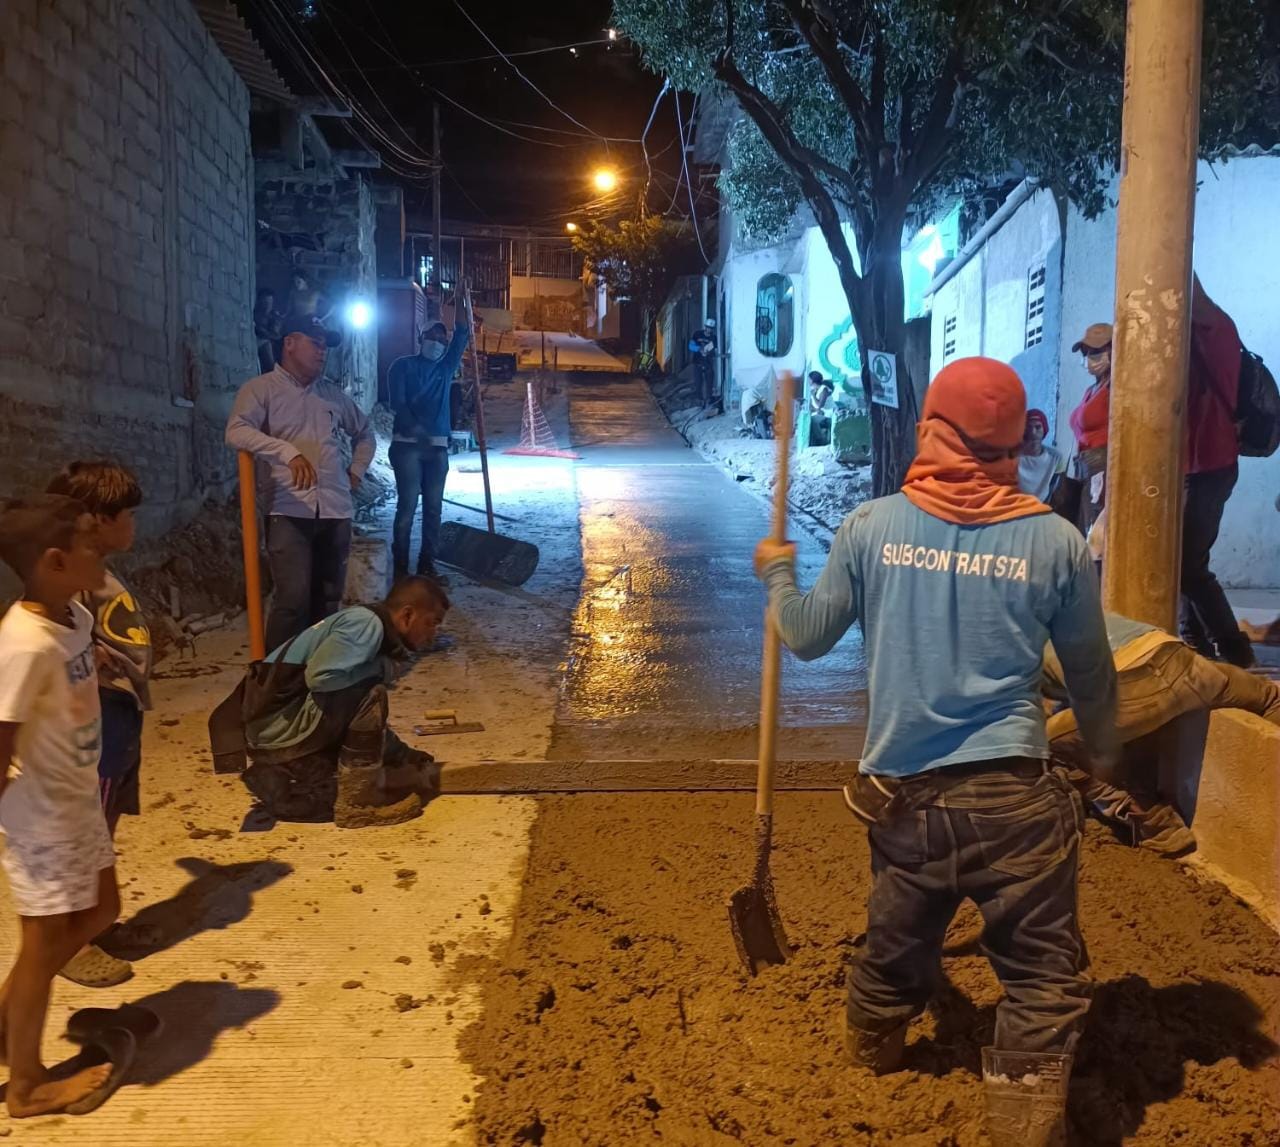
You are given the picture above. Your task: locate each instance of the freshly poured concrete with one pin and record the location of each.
(665, 660)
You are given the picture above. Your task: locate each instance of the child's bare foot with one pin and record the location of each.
(53, 1095)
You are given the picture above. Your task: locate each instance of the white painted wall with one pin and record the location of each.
(742, 272)
(1237, 255)
(988, 298)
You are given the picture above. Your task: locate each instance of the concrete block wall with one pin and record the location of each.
(126, 251)
(324, 227)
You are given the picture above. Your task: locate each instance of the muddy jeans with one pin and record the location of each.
(300, 782)
(1007, 839)
(1173, 681)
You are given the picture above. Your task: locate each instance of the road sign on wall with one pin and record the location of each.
(884, 377)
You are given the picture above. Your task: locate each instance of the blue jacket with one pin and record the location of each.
(955, 620)
(419, 391)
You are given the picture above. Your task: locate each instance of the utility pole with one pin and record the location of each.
(436, 243)
(1160, 135)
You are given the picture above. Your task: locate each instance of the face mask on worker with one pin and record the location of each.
(432, 351)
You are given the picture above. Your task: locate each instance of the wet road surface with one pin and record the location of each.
(664, 661)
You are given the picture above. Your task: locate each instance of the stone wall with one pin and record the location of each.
(324, 228)
(126, 257)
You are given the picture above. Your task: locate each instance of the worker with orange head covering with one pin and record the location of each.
(957, 582)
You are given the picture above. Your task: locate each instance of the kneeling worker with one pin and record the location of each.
(957, 582)
(1159, 681)
(318, 745)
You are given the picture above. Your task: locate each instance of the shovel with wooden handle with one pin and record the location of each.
(753, 910)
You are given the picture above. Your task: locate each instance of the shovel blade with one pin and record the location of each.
(757, 926)
(485, 555)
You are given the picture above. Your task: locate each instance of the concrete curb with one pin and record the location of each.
(1237, 809)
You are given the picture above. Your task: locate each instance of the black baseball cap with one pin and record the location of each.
(310, 326)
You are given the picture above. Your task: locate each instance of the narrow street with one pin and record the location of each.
(665, 656)
(559, 970)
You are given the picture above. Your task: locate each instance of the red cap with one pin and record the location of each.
(983, 398)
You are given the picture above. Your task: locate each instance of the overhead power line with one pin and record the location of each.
(684, 166)
(506, 57)
(499, 55)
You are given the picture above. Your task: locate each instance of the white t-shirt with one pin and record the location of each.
(49, 687)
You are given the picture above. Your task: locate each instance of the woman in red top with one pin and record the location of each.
(1089, 423)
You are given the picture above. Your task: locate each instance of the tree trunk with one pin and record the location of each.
(878, 317)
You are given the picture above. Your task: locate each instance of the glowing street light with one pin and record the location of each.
(605, 179)
(571, 227)
(359, 314)
(613, 33)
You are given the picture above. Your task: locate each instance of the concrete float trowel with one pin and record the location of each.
(753, 909)
(485, 554)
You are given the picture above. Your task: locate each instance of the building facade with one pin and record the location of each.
(1030, 282)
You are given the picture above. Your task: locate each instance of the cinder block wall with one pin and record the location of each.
(325, 229)
(126, 247)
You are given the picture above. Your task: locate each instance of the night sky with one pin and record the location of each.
(392, 57)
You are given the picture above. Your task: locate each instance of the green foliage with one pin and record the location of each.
(1040, 86)
(638, 259)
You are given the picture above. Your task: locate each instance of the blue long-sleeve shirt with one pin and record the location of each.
(342, 650)
(276, 418)
(955, 620)
(419, 392)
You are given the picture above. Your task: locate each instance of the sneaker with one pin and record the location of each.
(1161, 830)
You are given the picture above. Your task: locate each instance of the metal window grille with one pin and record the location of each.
(949, 338)
(1035, 306)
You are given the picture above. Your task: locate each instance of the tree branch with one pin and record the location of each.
(799, 160)
(819, 33)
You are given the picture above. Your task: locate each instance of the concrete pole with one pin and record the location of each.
(1152, 326)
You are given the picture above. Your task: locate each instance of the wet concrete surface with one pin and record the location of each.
(665, 655)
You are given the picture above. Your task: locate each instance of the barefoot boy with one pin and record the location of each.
(122, 652)
(58, 856)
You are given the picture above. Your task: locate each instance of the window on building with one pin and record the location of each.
(1035, 305)
(775, 315)
(949, 338)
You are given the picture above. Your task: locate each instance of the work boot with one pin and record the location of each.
(1026, 1094)
(362, 798)
(879, 1049)
(428, 569)
(364, 802)
(407, 770)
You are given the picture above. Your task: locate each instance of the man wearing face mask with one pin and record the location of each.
(419, 386)
(1090, 421)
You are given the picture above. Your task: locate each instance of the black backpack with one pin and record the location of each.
(1257, 408)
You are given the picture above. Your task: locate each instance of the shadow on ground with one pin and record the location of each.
(1141, 1038)
(217, 896)
(195, 1014)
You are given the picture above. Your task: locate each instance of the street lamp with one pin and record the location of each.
(605, 179)
(571, 227)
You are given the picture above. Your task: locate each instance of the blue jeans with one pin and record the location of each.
(1009, 841)
(421, 471)
(308, 559)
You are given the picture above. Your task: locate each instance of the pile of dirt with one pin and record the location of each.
(620, 1013)
(192, 577)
